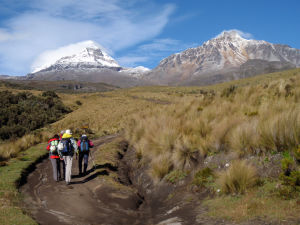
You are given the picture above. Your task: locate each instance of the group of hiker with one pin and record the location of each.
(61, 151)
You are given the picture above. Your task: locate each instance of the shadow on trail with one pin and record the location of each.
(105, 172)
(91, 177)
(106, 166)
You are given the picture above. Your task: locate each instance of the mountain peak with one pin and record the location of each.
(233, 34)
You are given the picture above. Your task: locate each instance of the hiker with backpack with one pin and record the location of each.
(55, 158)
(66, 148)
(84, 145)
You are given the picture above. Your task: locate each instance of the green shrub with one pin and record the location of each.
(78, 102)
(50, 94)
(203, 177)
(23, 112)
(175, 176)
(290, 178)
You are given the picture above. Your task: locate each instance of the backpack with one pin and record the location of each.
(65, 146)
(53, 146)
(84, 145)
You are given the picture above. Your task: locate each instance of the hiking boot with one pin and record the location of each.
(85, 168)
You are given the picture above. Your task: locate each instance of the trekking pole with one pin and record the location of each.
(92, 157)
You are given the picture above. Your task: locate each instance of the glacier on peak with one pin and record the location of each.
(87, 52)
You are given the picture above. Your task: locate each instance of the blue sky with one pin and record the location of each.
(136, 32)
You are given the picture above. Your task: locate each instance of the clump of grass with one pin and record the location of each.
(161, 166)
(175, 176)
(204, 177)
(239, 177)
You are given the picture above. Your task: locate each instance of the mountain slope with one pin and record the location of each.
(226, 57)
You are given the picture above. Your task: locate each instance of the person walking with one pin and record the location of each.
(54, 158)
(84, 146)
(66, 148)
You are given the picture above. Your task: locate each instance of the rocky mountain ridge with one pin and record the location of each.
(222, 58)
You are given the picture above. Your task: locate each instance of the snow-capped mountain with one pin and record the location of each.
(84, 61)
(82, 55)
(225, 57)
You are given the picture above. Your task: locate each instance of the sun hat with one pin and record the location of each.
(68, 131)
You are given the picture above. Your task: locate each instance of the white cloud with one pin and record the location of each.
(50, 24)
(239, 32)
(244, 34)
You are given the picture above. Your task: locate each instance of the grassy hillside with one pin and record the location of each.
(203, 135)
(240, 138)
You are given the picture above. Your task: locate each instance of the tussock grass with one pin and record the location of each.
(251, 116)
(12, 148)
(237, 178)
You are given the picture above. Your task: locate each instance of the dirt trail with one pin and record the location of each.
(86, 201)
(95, 201)
(90, 201)
(134, 201)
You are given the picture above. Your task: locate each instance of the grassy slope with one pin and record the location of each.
(107, 113)
(256, 117)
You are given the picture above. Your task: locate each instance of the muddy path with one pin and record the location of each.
(134, 199)
(91, 199)
(86, 201)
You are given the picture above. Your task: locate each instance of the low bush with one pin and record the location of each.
(289, 177)
(237, 178)
(24, 112)
(175, 176)
(204, 177)
(78, 102)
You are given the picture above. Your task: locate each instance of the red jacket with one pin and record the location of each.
(52, 155)
(91, 145)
